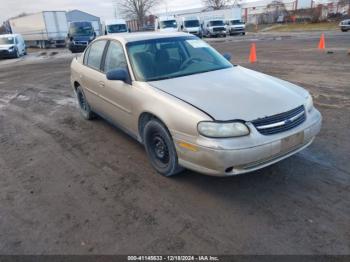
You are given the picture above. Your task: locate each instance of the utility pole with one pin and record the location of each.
(115, 8)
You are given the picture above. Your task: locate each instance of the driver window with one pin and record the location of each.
(115, 57)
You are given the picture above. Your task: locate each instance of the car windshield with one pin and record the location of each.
(121, 28)
(216, 23)
(167, 58)
(168, 24)
(7, 40)
(192, 23)
(81, 30)
(236, 22)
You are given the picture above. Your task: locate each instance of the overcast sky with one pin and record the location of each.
(101, 8)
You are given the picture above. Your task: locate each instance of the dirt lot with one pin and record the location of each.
(68, 186)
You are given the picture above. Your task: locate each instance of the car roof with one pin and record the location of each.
(133, 37)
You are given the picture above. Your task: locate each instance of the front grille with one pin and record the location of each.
(216, 29)
(84, 43)
(280, 123)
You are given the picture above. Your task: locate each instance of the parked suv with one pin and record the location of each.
(345, 25)
(80, 35)
(12, 45)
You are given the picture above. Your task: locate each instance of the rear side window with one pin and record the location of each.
(95, 53)
(115, 57)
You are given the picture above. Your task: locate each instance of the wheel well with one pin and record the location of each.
(144, 119)
(76, 85)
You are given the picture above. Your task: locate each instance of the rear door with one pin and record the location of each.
(92, 77)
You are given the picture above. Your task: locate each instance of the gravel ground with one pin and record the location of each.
(68, 186)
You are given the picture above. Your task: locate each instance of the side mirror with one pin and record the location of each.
(119, 74)
(228, 56)
(129, 30)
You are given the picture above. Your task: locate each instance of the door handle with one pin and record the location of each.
(101, 84)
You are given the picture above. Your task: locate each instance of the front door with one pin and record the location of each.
(117, 94)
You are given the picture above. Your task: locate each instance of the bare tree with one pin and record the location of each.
(216, 4)
(137, 9)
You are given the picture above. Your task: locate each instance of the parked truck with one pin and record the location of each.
(235, 26)
(222, 22)
(115, 26)
(214, 27)
(166, 24)
(44, 29)
(191, 25)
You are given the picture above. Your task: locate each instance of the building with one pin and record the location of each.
(80, 16)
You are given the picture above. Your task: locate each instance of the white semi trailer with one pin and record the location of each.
(44, 29)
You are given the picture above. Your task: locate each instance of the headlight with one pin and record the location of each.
(309, 105)
(11, 48)
(92, 38)
(223, 130)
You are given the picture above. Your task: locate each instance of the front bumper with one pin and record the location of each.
(78, 47)
(220, 159)
(7, 53)
(344, 27)
(217, 33)
(233, 30)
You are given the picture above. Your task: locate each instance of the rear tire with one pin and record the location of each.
(84, 106)
(160, 149)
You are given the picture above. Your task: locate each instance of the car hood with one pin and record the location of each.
(235, 93)
(5, 47)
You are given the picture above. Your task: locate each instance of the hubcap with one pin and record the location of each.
(160, 149)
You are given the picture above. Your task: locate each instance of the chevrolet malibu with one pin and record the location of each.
(189, 106)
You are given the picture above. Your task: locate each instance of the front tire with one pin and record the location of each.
(84, 106)
(17, 55)
(160, 149)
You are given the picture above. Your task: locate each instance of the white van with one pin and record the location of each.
(12, 45)
(235, 26)
(214, 28)
(166, 24)
(115, 26)
(191, 25)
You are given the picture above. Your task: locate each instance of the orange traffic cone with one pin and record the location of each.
(252, 56)
(322, 44)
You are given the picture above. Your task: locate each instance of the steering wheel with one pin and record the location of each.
(188, 61)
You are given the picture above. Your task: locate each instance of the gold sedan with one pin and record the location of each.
(189, 106)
